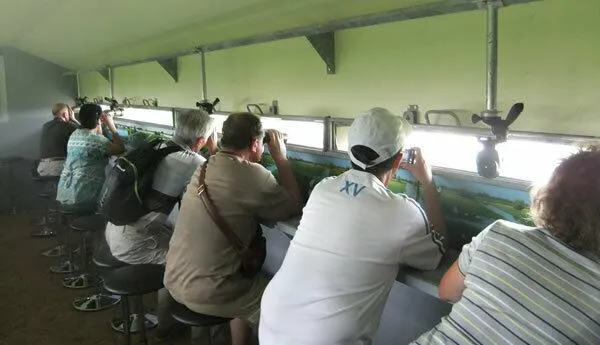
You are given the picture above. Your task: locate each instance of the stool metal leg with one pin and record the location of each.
(65, 267)
(82, 279)
(125, 305)
(142, 321)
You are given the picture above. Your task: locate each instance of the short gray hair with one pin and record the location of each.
(192, 125)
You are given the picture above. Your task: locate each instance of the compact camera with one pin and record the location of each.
(409, 155)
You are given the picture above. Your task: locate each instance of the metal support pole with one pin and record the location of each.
(203, 61)
(492, 58)
(111, 82)
(78, 85)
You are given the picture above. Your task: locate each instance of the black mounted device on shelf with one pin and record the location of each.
(208, 106)
(488, 160)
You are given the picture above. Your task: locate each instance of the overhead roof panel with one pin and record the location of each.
(82, 34)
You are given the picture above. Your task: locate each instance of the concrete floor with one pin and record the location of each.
(35, 307)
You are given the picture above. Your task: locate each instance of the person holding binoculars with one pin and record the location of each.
(206, 271)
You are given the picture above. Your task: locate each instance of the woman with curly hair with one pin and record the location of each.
(520, 285)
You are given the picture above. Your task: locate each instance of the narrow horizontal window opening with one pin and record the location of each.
(520, 159)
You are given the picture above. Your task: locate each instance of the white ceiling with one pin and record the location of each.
(81, 34)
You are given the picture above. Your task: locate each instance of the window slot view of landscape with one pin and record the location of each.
(468, 206)
(466, 211)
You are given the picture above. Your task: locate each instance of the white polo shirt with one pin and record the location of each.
(339, 269)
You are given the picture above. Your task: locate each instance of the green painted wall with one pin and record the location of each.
(549, 58)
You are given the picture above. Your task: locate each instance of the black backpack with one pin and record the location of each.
(130, 181)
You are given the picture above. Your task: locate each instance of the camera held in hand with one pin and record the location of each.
(408, 155)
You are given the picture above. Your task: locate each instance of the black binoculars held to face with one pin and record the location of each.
(267, 137)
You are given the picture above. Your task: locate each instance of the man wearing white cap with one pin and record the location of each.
(338, 271)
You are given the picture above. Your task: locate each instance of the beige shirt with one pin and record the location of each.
(202, 267)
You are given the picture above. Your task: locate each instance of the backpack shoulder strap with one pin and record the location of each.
(212, 210)
(167, 150)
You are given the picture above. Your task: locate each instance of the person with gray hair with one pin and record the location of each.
(147, 240)
(192, 126)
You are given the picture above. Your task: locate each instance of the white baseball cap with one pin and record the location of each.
(379, 130)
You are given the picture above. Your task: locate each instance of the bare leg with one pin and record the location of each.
(241, 333)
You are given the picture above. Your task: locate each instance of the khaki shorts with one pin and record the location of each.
(48, 167)
(247, 307)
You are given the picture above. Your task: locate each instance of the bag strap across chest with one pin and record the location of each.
(212, 210)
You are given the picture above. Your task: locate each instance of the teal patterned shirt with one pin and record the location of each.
(84, 171)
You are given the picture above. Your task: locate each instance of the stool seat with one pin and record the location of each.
(94, 223)
(39, 178)
(135, 280)
(70, 210)
(103, 258)
(47, 194)
(188, 317)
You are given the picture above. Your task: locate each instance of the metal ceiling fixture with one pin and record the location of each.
(488, 160)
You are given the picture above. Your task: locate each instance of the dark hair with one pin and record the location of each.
(240, 129)
(89, 115)
(569, 205)
(367, 155)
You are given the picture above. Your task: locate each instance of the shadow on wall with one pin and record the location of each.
(33, 85)
(20, 135)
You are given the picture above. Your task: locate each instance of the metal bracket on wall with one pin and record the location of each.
(105, 73)
(171, 66)
(324, 44)
(483, 4)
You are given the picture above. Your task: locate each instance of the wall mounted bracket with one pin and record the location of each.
(483, 4)
(324, 44)
(171, 66)
(105, 73)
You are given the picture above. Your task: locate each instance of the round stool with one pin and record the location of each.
(48, 192)
(190, 318)
(130, 281)
(67, 212)
(89, 224)
(104, 262)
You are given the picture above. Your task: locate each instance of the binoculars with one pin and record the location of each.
(267, 137)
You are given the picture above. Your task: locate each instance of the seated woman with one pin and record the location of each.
(54, 139)
(87, 155)
(520, 285)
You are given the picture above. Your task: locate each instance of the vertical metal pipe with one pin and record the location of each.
(203, 61)
(78, 85)
(492, 57)
(112, 82)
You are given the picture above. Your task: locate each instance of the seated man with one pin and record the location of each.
(203, 269)
(338, 271)
(147, 240)
(54, 139)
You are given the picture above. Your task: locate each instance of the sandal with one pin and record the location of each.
(80, 281)
(96, 302)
